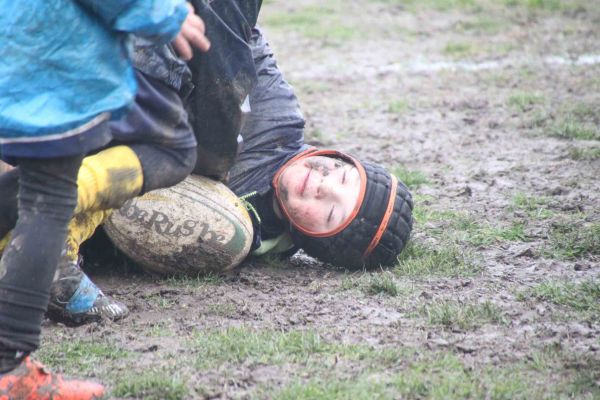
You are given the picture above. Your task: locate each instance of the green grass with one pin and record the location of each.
(194, 282)
(458, 50)
(535, 207)
(475, 233)
(244, 345)
(580, 297)
(572, 239)
(482, 23)
(443, 260)
(79, 356)
(464, 228)
(524, 101)
(322, 22)
(376, 283)
(571, 128)
(580, 121)
(412, 179)
(454, 314)
(151, 385)
(444, 376)
(397, 107)
(577, 154)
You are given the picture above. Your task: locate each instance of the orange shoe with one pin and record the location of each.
(32, 381)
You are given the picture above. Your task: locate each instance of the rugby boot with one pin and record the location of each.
(76, 300)
(108, 179)
(32, 381)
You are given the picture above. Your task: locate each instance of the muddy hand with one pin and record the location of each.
(191, 35)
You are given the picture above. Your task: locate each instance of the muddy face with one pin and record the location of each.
(320, 192)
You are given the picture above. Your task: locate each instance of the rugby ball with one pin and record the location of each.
(196, 227)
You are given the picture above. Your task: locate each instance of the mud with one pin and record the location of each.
(456, 126)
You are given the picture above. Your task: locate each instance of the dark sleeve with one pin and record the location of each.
(223, 78)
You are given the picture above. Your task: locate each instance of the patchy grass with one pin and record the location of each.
(397, 107)
(524, 101)
(454, 314)
(382, 284)
(581, 297)
(578, 121)
(244, 345)
(322, 22)
(445, 376)
(571, 239)
(80, 356)
(444, 260)
(481, 24)
(412, 179)
(458, 50)
(464, 228)
(151, 385)
(375, 283)
(162, 302)
(485, 234)
(536, 207)
(227, 310)
(572, 128)
(194, 282)
(578, 154)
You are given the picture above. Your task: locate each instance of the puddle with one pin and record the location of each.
(422, 66)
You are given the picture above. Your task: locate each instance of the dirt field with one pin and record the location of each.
(490, 112)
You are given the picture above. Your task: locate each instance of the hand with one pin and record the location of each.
(191, 35)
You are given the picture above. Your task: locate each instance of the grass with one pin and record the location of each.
(152, 385)
(572, 239)
(579, 121)
(578, 154)
(458, 50)
(464, 228)
(454, 314)
(444, 260)
(244, 345)
(397, 107)
(375, 283)
(571, 128)
(322, 22)
(535, 207)
(524, 101)
(194, 282)
(485, 234)
(412, 179)
(80, 356)
(580, 297)
(444, 375)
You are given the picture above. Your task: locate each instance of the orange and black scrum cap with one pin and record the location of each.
(377, 230)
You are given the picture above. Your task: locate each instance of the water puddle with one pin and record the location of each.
(424, 66)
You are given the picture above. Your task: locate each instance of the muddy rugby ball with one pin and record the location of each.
(196, 227)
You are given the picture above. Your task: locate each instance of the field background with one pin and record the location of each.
(490, 112)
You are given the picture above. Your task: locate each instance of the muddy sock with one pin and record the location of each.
(163, 166)
(47, 198)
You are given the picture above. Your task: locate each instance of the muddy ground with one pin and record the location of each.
(490, 111)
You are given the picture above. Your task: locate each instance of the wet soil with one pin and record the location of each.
(455, 124)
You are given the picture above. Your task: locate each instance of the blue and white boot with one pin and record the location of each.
(76, 300)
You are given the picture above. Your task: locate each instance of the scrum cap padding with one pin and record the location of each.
(378, 232)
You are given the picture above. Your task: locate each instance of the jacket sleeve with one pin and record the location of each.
(158, 20)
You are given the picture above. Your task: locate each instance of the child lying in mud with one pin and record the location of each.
(338, 209)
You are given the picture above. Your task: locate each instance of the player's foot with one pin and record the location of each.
(76, 300)
(32, 381)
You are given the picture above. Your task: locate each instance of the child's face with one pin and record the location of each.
(319, 193)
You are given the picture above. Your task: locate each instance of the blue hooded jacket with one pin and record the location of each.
(64, 62)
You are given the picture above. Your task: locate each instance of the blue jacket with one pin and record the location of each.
(64, 62)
